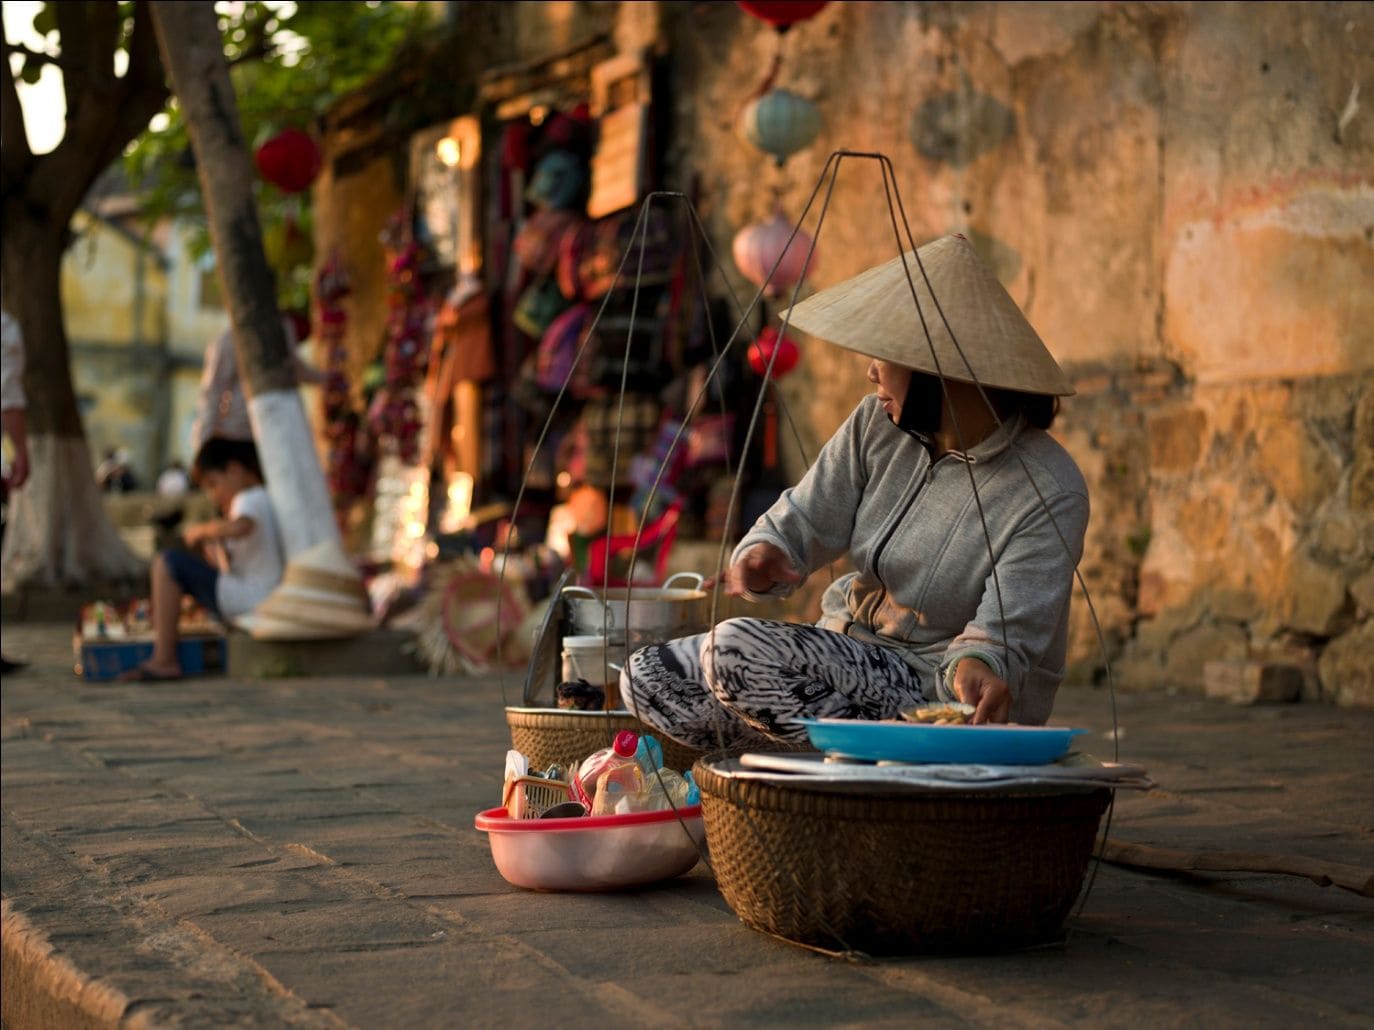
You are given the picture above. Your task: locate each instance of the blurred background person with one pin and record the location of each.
(12, 416)
(221, 407)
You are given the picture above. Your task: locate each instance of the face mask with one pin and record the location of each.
(923, 405)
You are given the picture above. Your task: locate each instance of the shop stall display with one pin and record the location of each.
(349, 449)
(110, 639)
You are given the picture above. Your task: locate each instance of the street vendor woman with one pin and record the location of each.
(942, 475)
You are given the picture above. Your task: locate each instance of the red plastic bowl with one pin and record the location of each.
(594, 853)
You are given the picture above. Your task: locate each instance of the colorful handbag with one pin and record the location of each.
(572, 249)
(538, 242)
(559, 181)
(621, 237)
(556, 361)
(538, 306)
(709, 438)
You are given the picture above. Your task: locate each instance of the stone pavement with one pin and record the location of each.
(301, 852)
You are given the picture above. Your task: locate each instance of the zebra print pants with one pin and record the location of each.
(742, 684)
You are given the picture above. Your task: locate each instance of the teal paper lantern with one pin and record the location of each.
(780, 123)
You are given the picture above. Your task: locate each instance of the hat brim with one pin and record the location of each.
(939, 310)
(262, 627)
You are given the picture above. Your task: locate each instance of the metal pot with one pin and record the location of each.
(650, 614)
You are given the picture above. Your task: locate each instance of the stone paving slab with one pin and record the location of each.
(301, 853)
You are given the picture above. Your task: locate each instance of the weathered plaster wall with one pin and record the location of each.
(1181, 196)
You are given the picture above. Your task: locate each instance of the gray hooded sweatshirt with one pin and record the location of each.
(924, 584)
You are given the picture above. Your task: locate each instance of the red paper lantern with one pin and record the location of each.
(290, 160)
(779, 13)
(761, 352)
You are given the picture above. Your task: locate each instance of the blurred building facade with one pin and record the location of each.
(140, 307)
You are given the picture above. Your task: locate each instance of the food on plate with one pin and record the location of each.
(954, 713)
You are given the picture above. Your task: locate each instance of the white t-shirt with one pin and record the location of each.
(255, 560)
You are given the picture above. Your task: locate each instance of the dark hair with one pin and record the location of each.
(1039, 409)
(217, 454)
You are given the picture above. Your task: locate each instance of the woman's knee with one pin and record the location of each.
(733, 643)
(633, 680)
(734, 635)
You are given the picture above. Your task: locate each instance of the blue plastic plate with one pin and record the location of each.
(913, 742)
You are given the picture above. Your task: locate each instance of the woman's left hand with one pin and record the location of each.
(975, 684)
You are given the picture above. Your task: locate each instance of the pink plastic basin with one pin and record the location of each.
(594, 853)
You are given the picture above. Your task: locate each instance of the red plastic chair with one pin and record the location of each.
(656, 539)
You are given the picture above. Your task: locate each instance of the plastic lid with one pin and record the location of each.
(625, 743)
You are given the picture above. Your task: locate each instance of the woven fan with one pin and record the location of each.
(466, 616)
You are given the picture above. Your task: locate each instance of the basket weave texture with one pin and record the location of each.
(550, 737)
(898, 873)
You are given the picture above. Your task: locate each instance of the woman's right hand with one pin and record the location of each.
(758, 570)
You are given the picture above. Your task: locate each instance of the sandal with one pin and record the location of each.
(143, 674)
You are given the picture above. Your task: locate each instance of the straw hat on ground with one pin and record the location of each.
(321, 597)
(874, 314)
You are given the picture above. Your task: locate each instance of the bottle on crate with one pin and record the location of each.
(587, 778)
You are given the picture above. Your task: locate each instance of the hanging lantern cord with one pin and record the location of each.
(771, 78)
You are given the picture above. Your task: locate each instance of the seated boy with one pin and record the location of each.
(245, 545)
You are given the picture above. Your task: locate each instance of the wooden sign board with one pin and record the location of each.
(621, 101)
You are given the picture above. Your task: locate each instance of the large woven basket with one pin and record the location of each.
(549, 736)
(889, 873)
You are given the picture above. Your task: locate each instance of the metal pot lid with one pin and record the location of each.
(546, 656)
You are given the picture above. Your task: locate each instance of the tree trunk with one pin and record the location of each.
(192, 52)
(58, 533)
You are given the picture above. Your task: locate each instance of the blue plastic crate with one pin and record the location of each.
(99, 660)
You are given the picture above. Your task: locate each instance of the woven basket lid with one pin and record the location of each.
(873, 314)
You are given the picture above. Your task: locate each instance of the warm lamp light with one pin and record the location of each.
(449, 151)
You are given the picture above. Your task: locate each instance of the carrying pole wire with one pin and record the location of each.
(889, 188)
(846, 951)
(895, 205)
(1078, 574)
(893, 196)
(534, 456)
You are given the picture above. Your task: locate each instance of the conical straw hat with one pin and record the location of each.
(874, 314)
(321, 595)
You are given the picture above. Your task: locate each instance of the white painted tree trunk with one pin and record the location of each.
(291, 466)
(193, 54)
(58, 533)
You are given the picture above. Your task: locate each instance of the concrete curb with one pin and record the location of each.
(45, 989)
(63, 917)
